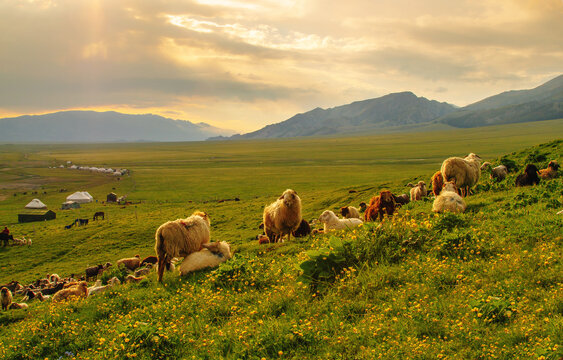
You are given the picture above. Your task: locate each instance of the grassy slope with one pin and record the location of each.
(403, 299)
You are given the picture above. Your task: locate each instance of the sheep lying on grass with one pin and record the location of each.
(15, 306)
(498, 173)
(332, 222)
(282, 216)
(551, 171)
(464, 173)
(529, 177)
(130, 263)
(349, 212)
(401, 200)
(79, 290)
(302, 230)
(418, 191)
(449, 200)
(211, 255)
(5, 297)
(180, 238)
(99, 288)
(144, 271)
(380, 205)
(134, 279)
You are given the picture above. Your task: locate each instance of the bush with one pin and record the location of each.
(493, 309)
(119, 272)
(449, 221)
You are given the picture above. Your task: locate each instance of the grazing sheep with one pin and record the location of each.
(211, 255)
(5, 297)
(349, 212)
(437, 183)
(149, 260)
(304, 229)
(464, 173)
(263, 239)
(551, 171)
(498, 173)
(401, 200)
(363, 207)
(180, 238)
(380, 205)
(449, 200)
(134, 279)
(332, 222)
(529, 177)
(15, 306)
(130, 263)
(282, 216)
(418, 191)
(144, 271)
(79, 290)
(93, 271)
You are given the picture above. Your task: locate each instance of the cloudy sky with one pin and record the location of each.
(243, 64)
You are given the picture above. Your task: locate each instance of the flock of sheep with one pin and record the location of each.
(190, 238)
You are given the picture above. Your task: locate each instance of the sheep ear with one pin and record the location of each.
(281, 197)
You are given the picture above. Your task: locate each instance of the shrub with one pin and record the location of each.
(449, 221)
(493, 309)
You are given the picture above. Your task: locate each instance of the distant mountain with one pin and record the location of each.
(544, 102)
(392, 110)
(91, 126)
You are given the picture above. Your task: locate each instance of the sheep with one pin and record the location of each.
(282, 216)
(13, 286)
(144, 271)
(498, 173)
(363, 207)
(551, 171)
(211, 255)
(332, 222)
(349, 212)
(180, 238)
(134, 279)
(53, 289)
(130, 263)
(418, 191)
(93, 271)
(529, 177)
(32, 295)
(263, 239)
(464, 173)
(449, 200)
(401, 200)
(149, 260)
(98, 287)
(54, 278)
(437, 182)
(79, 290)
(380, 205)
(304, 229)
(16, 306)
(5, 297)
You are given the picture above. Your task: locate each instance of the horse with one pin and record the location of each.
(82, 222)
(5, 238)
(98, 214)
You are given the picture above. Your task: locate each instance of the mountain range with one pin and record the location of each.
(405, 111)
(110, 126)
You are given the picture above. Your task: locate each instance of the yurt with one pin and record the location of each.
(35, 204)
(80, 197)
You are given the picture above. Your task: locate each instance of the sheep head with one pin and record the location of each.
(386, 196)
(290, 198)
(363, 206)
(202, 215)
(554, 165)
(344, 211)
(473, 156)
(4, 291)
(531, 169)
(219, 248)
(327, 216)
(449, 186)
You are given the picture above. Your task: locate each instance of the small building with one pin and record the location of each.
(37, 215)
(70, 205)
(112, 197)
(36, 204)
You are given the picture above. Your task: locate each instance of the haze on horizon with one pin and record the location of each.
(244, 64)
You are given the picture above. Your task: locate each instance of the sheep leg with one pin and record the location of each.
(161, 265)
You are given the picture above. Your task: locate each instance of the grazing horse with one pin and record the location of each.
(98, 214)
(82, 222)
(5, 237)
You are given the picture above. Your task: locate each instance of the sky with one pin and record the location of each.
(242, 65)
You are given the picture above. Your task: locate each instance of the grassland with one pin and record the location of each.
(480, 285)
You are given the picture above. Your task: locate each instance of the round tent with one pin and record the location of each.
(35, 204)
(80, 197)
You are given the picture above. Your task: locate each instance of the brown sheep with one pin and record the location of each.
(349, 212)
(282, 216)
(437, 183)
(464, 173)
(304, 229)
(529, 177)
(179, 238)
(418, 191)
(79, 290)
(93, 271)
(130, 263)
(5, 297)
(380, 205)
(149, 260)
(401, 200)
(16, 306)
(551, 171)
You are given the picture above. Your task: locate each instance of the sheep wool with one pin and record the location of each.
(449, 200)
(211, 255)
(464, 173)
(283, 216)
(332, 222)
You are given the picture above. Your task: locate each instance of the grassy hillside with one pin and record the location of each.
(479, 285)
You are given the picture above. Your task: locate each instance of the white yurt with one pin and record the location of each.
(36, 204)
(80, 197)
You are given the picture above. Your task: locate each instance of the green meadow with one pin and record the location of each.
(480, 285)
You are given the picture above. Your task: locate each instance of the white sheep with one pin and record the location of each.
(332, 222)
(180, 238)
(211, 255)
(98, 287)
(449, 200)
(464, 173)
(418, 191)
(283, 216)
(498, 173)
